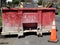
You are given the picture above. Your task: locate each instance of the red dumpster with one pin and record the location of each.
(22, 20)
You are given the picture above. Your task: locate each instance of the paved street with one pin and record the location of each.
(32, 39)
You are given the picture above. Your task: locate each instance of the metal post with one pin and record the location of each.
(0, 3)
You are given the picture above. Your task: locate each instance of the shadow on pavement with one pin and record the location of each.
(3, 43)
(33, 33)
(8, 36)
(25, 34)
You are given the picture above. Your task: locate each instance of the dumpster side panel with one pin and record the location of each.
(30, 16)
(11, 21)
(39, 18)
(47, 19)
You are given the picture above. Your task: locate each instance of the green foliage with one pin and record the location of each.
(9, 3)
(15, 2)
(59, 12)
(40, 2)
(22, 0)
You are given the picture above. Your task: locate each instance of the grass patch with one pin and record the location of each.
(59, 12)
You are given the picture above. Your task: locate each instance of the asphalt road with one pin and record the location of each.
(32, 39)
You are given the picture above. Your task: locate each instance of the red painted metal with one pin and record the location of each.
(15, 17)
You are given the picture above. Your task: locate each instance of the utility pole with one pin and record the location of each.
(0, 3)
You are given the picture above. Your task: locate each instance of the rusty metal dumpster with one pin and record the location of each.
(22, 20)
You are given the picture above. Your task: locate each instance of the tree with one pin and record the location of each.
(15, 2)
(9, 4)
(40, 2)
